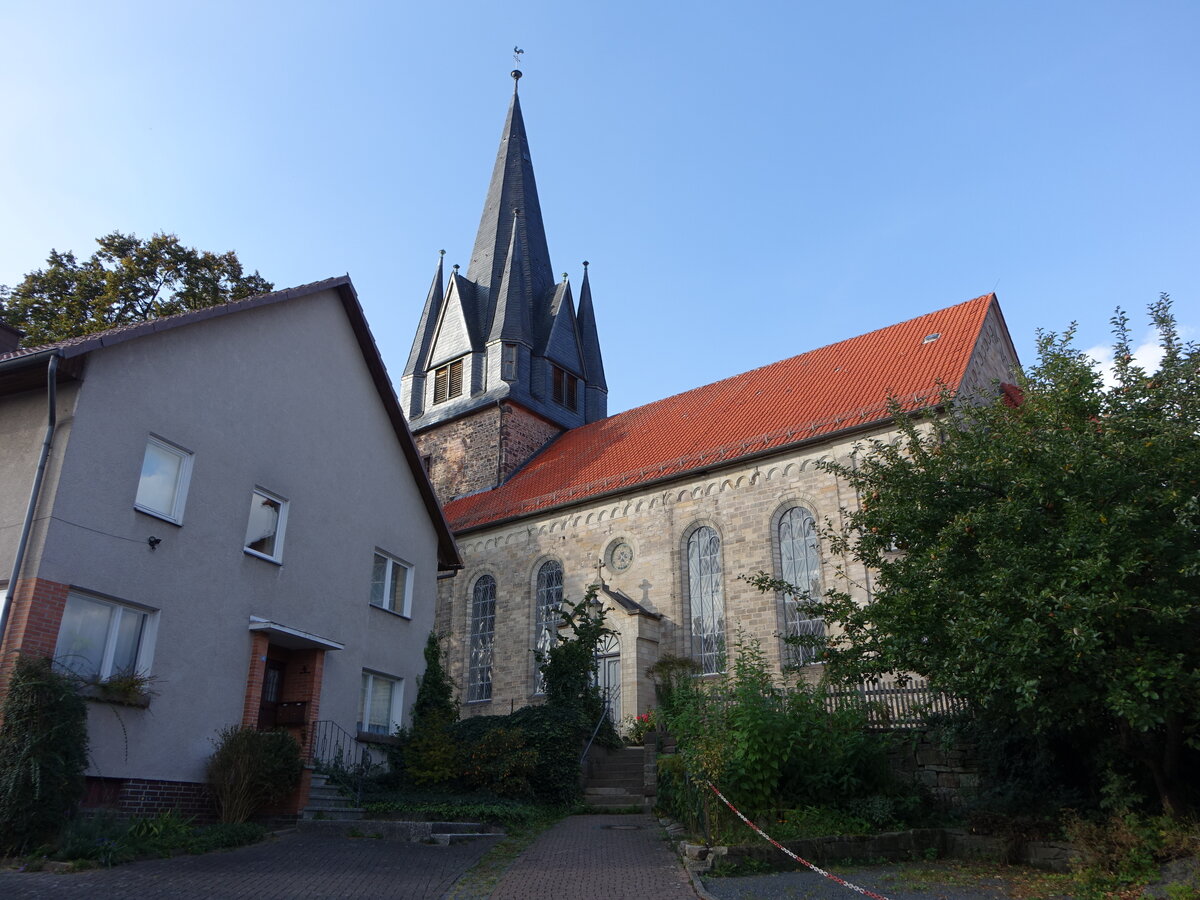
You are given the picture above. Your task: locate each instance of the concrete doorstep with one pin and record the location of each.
(444, 833)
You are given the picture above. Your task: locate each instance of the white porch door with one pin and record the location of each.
(608, 675)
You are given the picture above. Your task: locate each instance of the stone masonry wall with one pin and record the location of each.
(482, 449)
(741, 502)
(462, 453)
(522, 434)
(949, 773)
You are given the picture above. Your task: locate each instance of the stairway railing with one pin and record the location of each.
(612, 697)
(339, 755)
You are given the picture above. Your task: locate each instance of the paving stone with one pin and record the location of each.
(291, 867)
(585, 857)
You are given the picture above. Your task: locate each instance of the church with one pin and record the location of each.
(663, 506)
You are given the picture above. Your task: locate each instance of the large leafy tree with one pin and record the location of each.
(127, 280)
(1038, 555)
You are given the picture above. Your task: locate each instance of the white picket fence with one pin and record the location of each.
(892, 703)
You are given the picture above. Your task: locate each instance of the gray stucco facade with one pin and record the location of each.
(281, 398)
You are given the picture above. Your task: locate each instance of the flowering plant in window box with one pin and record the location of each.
(126, 688)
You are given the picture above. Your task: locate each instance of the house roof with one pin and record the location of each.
(838, 388)
(21, 370)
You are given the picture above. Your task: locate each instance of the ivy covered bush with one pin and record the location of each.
(43, 754)
(529, 755)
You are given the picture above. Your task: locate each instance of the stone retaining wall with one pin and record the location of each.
(897, 846)
(949, 773)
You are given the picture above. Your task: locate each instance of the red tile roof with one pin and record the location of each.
(816, 394)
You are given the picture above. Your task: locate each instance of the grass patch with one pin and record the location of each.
(510, 815)
(478, 882)
(106, 840)
(1018, 882)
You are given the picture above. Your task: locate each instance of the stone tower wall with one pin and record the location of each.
(481, 449)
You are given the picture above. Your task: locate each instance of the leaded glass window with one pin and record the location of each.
(707, 595)
(548, 602)
(483, 631)
(800, 558)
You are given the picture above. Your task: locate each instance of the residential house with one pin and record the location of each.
(234, 512)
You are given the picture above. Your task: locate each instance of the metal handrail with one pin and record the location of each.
(607, 696)
(340, 754)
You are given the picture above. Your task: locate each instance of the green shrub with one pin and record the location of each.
(250, 769)
(110, 840)
(460, 808)
(43, 754)
(671, 673)
(1124, 851)
(501, 763)
(540, 748)
(225, 836)
(428, 753)
(768, 747)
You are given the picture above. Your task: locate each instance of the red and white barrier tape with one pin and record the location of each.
(815, 868)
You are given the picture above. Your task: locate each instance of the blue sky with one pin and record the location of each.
(748, 180)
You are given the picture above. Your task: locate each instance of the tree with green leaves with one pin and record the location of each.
(1038, 555)
(127, 280)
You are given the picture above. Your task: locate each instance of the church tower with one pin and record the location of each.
(501, 363)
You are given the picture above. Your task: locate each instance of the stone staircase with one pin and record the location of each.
(615, 778)
(330, 812)
(326, 803)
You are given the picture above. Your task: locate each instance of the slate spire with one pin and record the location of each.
(512, 187)
(426, 328)
(510, 317)
(589, 338)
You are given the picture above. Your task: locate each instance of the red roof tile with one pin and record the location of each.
(835, 388)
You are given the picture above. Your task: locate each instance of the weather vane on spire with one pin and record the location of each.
(516, 73)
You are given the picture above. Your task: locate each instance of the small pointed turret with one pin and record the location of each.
(596, 392)
(510, 318)
(428, 324)
(589, 338)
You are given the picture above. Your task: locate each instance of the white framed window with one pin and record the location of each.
(264, 530)
(381, 703)
(391, 584)
(101, 639)
(162, 488)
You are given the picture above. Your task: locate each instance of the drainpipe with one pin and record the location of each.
(23, 542)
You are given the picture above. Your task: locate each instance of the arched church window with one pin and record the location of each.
(547, 603)
(483, 631)
(800, 564)
(706, 594)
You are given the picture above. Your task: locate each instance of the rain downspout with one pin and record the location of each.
(23, 542)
